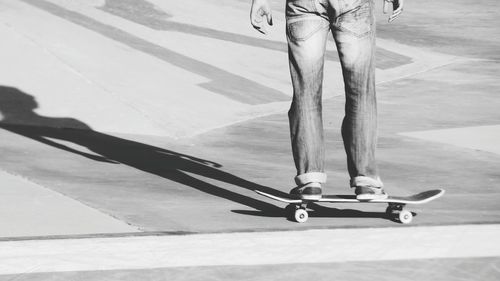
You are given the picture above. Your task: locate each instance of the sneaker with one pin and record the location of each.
(370, 193)
(310, 191)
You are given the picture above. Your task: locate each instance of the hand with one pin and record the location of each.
(259, 10)
(397, 8)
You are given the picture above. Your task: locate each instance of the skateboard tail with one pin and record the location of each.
(416, 199)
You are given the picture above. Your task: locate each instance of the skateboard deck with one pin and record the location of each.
(297, 207)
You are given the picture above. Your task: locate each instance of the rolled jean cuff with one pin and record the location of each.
(366, 181)
(310, 177)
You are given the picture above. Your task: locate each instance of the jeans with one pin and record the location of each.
(353, 27)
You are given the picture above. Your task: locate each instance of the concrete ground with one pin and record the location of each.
(157, 120)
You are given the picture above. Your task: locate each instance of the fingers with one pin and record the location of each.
(259, 17)
(258, 24)
(395, 14)
(256, 20)
(397, 6)
(269, 17)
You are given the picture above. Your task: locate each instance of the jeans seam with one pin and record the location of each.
(360, 36)
(309, 35)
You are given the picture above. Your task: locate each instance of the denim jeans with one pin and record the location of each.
(353, 27)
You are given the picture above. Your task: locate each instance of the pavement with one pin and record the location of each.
(134, 134)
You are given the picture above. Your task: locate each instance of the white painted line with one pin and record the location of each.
(261, 248)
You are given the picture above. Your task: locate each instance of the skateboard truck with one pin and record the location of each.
(398, 211)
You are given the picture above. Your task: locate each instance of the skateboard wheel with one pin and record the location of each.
(405, 217)
(301, 215)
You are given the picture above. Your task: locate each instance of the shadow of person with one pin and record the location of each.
(17, 109)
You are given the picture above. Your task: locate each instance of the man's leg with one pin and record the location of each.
(354, 33)
(307, 30)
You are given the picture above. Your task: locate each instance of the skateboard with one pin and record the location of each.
(297, 208)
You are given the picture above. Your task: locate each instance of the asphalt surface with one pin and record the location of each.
(161, 118)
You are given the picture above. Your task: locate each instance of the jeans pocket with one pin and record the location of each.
(358, 21)
(300, 29)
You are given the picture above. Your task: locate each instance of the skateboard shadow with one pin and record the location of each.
(319, 211)
(19, 117)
